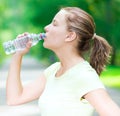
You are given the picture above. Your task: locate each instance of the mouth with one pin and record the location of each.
(45, 36)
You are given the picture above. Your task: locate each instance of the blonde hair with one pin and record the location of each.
(83, 25)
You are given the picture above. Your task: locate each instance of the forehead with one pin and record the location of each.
(61, 15)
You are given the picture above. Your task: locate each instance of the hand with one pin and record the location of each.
(28, 45)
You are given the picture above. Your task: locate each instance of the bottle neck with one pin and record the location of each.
(41, 36)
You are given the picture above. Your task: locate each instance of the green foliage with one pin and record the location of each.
(111, 76)
(18, 16)
(111, 71)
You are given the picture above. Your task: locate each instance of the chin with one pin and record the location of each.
(45, 45)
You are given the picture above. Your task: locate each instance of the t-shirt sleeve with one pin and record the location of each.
(90, 81)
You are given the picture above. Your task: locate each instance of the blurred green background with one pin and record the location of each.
(19, 16)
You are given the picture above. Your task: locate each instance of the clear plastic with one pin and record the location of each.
(20, 43)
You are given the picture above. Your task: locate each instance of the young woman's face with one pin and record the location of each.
(56, 32)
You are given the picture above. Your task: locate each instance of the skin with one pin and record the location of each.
(63, 43)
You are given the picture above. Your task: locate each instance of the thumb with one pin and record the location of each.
(28, 46)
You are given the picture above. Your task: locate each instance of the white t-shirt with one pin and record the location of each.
(63, 95)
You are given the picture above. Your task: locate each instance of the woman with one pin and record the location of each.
(70, 87)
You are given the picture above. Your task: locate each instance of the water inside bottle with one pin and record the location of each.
(20, 43)
(9, 47)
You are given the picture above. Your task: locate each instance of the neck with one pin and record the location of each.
(68, 59)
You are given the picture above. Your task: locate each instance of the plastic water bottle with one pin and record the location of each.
(20, 43)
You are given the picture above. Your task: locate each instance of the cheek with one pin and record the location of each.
(55, 39)
(49, 43)
(53, 43)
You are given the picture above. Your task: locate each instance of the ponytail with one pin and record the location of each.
(100, 53)
(83, 24)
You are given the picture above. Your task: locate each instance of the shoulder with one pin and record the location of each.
(88, 80)
(52, 68)
(86, 70)
(87, 77)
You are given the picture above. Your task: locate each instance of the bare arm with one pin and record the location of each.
(16, 93)
(103, 104)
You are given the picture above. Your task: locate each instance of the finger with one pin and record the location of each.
(22, 35)
(29, 44)
(26, 33)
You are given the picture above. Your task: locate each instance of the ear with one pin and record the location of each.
(70, 36)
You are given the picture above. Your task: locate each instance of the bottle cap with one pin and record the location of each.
(42, 35)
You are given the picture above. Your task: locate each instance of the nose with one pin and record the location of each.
(46, 28)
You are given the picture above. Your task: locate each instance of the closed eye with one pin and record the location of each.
(54, 22)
